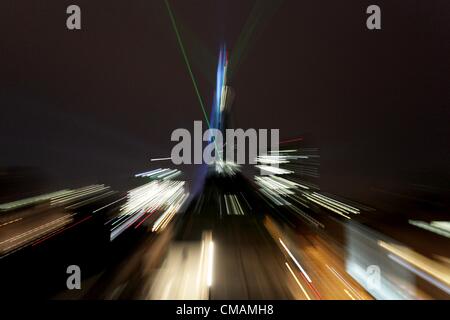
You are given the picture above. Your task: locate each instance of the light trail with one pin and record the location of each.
(434, 269)
(209, 279)
(343, 281)
(161, 159)
(186, 60)
(143, 220)
(110, 204)
(292, 140)
(10, 222)
(348, 293)
(298, 282)
(295, 261)
(59, 231)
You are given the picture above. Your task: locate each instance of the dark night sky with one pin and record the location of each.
(99, 103)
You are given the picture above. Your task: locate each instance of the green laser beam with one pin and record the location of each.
(186, 60)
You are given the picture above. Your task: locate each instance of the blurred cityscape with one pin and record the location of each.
(262, 231)
(351, 203)
(241, 236)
